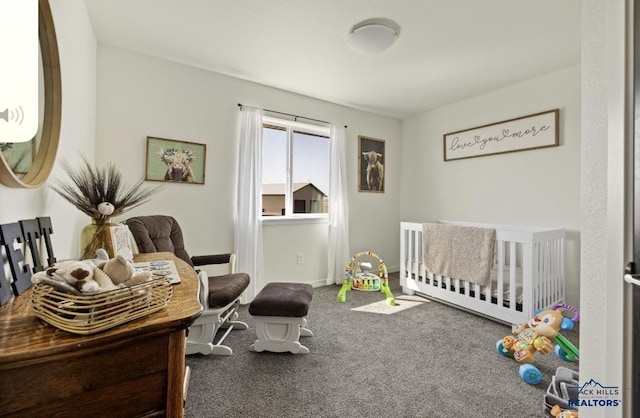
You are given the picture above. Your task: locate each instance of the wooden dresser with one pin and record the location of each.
(135, 369)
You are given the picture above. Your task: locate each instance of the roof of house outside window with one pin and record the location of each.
(277, 189)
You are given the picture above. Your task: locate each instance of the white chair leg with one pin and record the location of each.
(232, 318)
(304, 331)
(239, 325)
(280, 334)
(221, 350)
(203, 331)
(201, 336)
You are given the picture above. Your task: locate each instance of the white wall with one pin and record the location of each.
(77, 48)
(535, 187)
(603, 207)
(140, 96)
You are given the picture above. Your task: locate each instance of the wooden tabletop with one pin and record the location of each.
(24, 337)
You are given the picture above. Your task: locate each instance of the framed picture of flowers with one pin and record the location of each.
(175, 161)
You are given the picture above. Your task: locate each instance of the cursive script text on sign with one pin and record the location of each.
(528, 132)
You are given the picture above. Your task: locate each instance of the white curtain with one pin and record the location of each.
(248, 225)
(339, 254)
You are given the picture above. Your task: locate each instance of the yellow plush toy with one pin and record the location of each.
(538, 335)
(123, 273)
(533, 336)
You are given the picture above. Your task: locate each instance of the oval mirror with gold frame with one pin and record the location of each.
(44, 154)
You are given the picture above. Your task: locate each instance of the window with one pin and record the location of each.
(295, 168)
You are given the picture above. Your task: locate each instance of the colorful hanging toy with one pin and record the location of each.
(358, 276)
(538, 335)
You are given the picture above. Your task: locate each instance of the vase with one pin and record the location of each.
(94, 236)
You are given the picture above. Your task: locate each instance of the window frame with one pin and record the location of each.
(291, 127)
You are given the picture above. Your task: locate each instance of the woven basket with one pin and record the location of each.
(88, 314)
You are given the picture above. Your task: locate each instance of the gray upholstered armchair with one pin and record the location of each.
(219, 295)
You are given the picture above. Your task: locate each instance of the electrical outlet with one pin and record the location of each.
(300, 258)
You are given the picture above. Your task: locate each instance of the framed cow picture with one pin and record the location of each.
(175, 161)
(371, 162)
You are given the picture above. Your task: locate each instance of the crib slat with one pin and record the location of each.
(500, 270)
(552, 283)
(529, 279)
(421, 269)
(416, 257)
(553, 288)
(556, 257)
(542, 275)
(402, 253)
(409, 254)
(559, 257)
(513, 288)
(403, 260)
(560, 274)
(547, 272)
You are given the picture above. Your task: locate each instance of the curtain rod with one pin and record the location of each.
(293, 116)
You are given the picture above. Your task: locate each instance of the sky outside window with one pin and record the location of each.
(310, 159)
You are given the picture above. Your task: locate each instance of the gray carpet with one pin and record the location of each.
(431, 360)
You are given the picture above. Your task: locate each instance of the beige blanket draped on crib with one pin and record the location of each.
(461, 252)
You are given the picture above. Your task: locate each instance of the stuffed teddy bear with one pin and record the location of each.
(75, 276)
(122, 272)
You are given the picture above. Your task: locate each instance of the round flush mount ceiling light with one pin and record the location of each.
(373, 36)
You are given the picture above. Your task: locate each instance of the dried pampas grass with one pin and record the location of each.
(88, 186)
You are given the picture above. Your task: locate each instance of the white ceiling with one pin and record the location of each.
(448, 50)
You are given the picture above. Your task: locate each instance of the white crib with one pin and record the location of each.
(529, 260)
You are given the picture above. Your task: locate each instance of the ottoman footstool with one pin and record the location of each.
(279, 312)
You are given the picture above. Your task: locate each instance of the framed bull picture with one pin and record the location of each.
(371, 158)
(175, 161)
